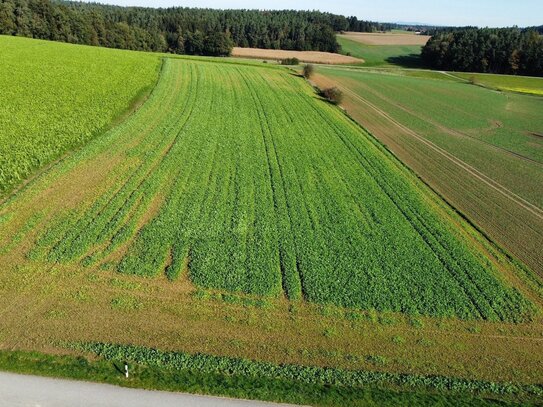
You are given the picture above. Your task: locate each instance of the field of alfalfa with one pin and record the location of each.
(234, 213)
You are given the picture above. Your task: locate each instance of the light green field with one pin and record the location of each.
(382, 55)
(55, 97)
(521, 84)
(488, 134)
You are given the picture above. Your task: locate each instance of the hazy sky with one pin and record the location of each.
(445, 12)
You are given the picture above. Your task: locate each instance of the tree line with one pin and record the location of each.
(493, 50)
(176, 30)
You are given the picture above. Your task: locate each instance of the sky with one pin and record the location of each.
(482, 13)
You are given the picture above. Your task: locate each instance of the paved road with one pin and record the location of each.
(32, 391)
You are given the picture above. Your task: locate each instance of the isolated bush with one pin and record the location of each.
(333, 95)
(472, 80)
(308, 71)
(290, 61)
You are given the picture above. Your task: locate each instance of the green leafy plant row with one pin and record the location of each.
(306, 374)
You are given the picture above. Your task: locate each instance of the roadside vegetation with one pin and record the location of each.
(151, 373)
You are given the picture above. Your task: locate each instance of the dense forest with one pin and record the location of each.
(494, 50)
(176, 30)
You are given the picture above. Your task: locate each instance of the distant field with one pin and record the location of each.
(381, 55)
(393, 38)
(55, 98)
(304, 56)
(492, 134)
(521, 84)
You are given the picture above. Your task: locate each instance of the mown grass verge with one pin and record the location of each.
(204, 374)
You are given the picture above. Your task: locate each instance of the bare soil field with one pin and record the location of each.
(387, 38)
(304, 56)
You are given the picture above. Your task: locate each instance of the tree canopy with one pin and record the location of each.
(176, 30)
(493, 50)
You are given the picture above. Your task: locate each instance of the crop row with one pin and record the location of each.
(306, 374)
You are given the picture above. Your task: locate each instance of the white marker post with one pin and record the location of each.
(126, 370)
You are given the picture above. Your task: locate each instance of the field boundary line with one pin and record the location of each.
(536, 211)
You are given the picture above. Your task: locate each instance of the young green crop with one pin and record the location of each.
(382, 55)
(497, 133)
(55, 97)
(256, 186)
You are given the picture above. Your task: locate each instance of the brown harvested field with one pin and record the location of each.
(315, 57)
(387, 38)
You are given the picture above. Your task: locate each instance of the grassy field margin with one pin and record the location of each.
(203, 374)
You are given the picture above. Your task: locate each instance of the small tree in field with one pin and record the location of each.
(290, 61)
(333, 95)
(308, 71)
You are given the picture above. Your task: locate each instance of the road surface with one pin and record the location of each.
(32, 391)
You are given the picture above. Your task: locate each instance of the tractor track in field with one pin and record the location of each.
(451, 131)
(533, 209)
(454, 132)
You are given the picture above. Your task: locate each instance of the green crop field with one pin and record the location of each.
(256, 206)
(237, 231)
(489, 134)
(521, 84)
(504, 120)
(55, 98)
(381, 55)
